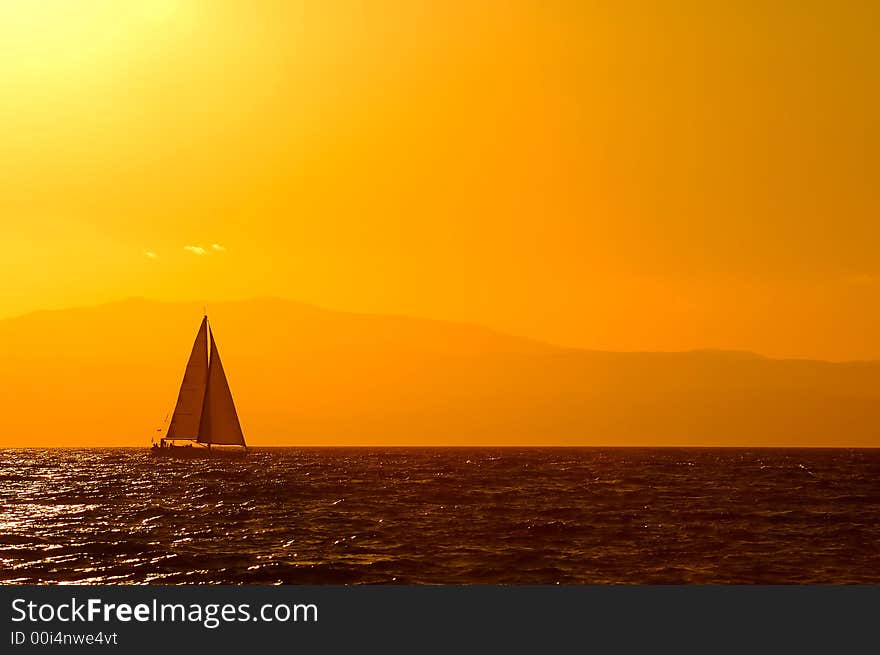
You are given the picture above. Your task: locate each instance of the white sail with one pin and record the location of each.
(219, 423)
(188, 411)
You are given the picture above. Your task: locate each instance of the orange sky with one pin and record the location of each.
(628, 175)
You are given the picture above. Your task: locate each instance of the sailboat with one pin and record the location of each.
(205, 414)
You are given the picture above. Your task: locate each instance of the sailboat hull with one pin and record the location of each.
(193, 452)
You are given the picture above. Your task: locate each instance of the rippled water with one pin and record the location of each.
(442, 516)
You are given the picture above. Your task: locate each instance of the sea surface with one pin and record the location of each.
(446, 515)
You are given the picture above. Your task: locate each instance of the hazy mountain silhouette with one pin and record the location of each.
(107, 375)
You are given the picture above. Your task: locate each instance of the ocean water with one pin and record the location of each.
(453, 515)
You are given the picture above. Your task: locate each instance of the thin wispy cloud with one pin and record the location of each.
(149, 254)
(196, 250)
(217, 247)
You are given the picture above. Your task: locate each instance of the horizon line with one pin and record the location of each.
(481, 446)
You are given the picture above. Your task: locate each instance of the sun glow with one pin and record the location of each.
(66, 36)
(636, 176)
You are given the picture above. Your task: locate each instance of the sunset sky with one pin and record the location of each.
(629, 175)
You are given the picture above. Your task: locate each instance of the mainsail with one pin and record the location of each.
(188, 411)
(219, 424)
(205, 411)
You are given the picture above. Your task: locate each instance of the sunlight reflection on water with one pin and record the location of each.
(441, 516)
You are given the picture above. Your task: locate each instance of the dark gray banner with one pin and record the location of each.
(410, 619)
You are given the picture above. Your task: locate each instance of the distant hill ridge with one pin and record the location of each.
(107, 375)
